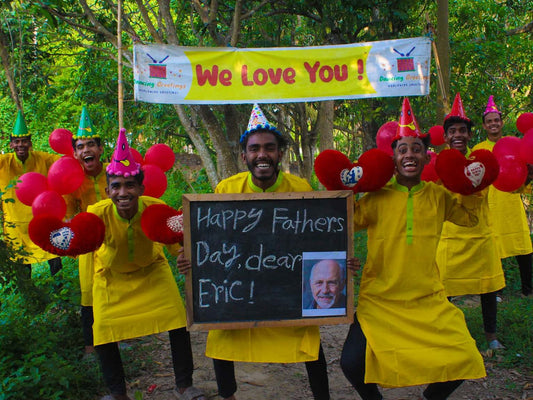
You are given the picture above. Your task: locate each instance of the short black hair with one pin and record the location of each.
(282, 142)
(426, 141)
(457, 120)
(96, 139)
(139, 177)
(11, 137)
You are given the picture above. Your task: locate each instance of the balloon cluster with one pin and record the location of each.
(514, 155)
(85, 232)
(44, 194)
(158, 159)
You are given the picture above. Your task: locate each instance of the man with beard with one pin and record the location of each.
(17, 215)
(262, 148)
(88, 149)
(327, 283)
(468, 257)
(507, 212)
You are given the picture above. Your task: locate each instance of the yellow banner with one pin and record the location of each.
(185, 75)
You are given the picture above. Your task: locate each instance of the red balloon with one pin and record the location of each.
(161, 155)
(138, 157)
(507, 146)
(429, 174)
(436, 133)
(65, 175)
(155, 180)
(526, 147)
(524, 122)
(513, 173)
(384, 137)
(30, 186)
(60, 141)
(50, 203)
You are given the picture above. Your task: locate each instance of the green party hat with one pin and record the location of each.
(85, 129)
(20, 129)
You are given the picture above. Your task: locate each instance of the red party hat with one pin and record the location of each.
(457, 109)
(407, 126)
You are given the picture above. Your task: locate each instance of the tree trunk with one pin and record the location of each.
(324, 124)
(6, 63)
(199, 145)
(226, 162)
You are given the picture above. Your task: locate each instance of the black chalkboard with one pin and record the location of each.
(251, 256)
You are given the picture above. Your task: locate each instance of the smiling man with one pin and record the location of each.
(327, 283)
(88, 149)
(17, 215)
(468, 257)
(405, 331)
(134, 291)
(262, 149)
(509, 220)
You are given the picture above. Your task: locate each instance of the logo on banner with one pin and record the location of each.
(157, 68)
(405, 63)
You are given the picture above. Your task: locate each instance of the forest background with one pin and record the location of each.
(58, 55)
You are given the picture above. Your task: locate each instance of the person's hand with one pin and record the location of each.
(353, 264)
(184, 265)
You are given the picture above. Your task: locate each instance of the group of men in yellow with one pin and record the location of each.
(405, 331)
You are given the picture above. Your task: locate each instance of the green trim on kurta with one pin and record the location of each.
(409, 208)
(131, 241)
(272, 188)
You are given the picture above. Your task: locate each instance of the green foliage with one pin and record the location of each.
(40, 350)
(515, 322)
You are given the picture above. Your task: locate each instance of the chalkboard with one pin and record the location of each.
(252, 254)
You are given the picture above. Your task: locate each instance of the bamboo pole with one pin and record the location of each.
(119, 69)
(440, 78)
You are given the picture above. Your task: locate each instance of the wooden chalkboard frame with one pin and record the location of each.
(191, 200)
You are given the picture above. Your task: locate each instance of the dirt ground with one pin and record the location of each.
(289, 381)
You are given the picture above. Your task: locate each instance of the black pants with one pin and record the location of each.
(489, 306)
(54, 263)
(87, 320)
(316, 371)
(113, 370)
(353, 366)
(524, 264)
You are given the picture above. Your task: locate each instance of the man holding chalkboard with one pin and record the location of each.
(262, 149)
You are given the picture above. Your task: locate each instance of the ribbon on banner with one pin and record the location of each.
(170, 74)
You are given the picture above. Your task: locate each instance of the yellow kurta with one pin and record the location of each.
(17, 213)
(134, 291)
(468, 258)
(91, 191)
(283, 345)
(414, 334)
(508, 216)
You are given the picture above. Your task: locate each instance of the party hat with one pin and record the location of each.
(457, 109)
(122, 162)
(491, 107)
(85, 129)
(20, 129)
(407, 126)
(258, 122)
